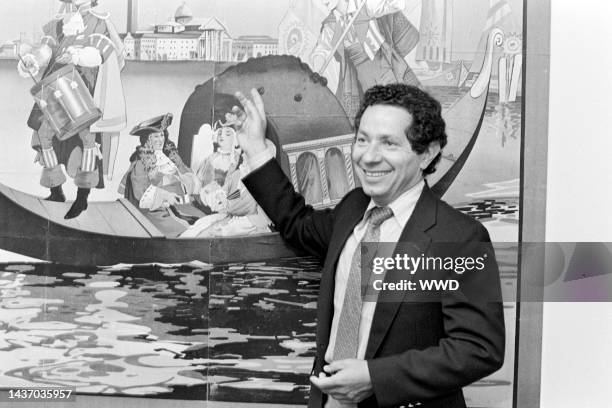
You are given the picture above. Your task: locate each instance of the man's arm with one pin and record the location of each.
(298, 223)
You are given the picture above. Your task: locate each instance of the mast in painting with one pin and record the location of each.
(132, 16)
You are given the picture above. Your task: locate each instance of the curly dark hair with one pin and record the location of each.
(427, 123)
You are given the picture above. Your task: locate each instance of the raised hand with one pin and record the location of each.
(251, 126)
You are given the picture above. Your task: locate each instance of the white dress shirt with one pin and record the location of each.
(390, 231)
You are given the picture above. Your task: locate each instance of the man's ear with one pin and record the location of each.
(429, 154)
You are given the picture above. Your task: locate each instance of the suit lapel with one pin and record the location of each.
(423, 217)
(343, 227)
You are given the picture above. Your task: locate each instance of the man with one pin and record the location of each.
(153, 182)
(387, 353)
(154, 179)
(371, 53)
(86, 39)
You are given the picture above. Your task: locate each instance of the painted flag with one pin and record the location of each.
(498, 9)
(373, 40)
(299, 29)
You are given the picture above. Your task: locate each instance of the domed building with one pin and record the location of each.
(182, 37)
(183, 14)
(186, 37)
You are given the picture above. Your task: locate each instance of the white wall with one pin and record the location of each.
(577, 338)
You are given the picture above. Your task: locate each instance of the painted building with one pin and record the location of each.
(248, 46)
(181, 38)
(321, 170)
(8, 50)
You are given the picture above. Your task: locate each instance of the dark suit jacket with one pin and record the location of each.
(417, 351)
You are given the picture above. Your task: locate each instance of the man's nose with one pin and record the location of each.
(371, 153)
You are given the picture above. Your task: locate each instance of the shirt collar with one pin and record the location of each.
(403, 206)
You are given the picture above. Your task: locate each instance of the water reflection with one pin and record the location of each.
(263, 317)
(160, 331)
(102, 332)
(234, 332)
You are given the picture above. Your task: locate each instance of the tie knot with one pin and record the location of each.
(379, 214)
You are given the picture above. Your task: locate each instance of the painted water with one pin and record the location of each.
(232, 332)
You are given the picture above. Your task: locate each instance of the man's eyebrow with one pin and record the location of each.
(362, 132)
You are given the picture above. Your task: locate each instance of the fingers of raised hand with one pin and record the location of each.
(240, 116)
(258, 101)
(247, 104)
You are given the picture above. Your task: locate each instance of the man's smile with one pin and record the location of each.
(376, 174)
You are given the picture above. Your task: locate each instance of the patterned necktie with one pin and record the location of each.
(347, 337)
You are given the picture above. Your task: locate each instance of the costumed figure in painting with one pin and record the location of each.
(233, 209)
(369, 40)
(85, 40)
(153, 182)
(225, 151)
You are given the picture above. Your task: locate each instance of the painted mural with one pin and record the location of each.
(117, 123)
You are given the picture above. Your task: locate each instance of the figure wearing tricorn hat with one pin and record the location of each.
(153, 181)
(154, 177)
(79, 93)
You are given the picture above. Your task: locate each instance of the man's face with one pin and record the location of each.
(382, 156)
(157, 140)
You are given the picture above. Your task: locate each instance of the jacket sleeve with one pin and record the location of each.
(299, 224)
(473, 343)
